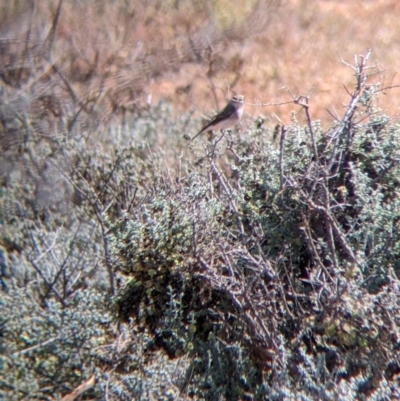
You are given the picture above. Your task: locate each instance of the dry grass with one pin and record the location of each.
(124, 55)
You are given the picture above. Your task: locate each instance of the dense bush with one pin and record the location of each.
(262, 265)
(277, 277)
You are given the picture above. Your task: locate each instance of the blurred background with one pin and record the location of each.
(118, 57)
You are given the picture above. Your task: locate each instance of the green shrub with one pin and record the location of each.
(48, 351)
(277, 278)
(247, 268)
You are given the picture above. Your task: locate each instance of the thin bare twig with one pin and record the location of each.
(34, 347)
(86, 385)
(303, 102)
(229, 192)
(281, 153)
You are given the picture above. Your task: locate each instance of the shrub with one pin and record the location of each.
(50, 350)
(249, 268)
(277, 278)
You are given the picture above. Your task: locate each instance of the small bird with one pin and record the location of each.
(227, 118)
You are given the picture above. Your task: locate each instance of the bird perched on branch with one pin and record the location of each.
(227, 118)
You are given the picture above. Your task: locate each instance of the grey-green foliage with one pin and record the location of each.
(275, 275)
(375, 171)
(247, 269)
(48, 351)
